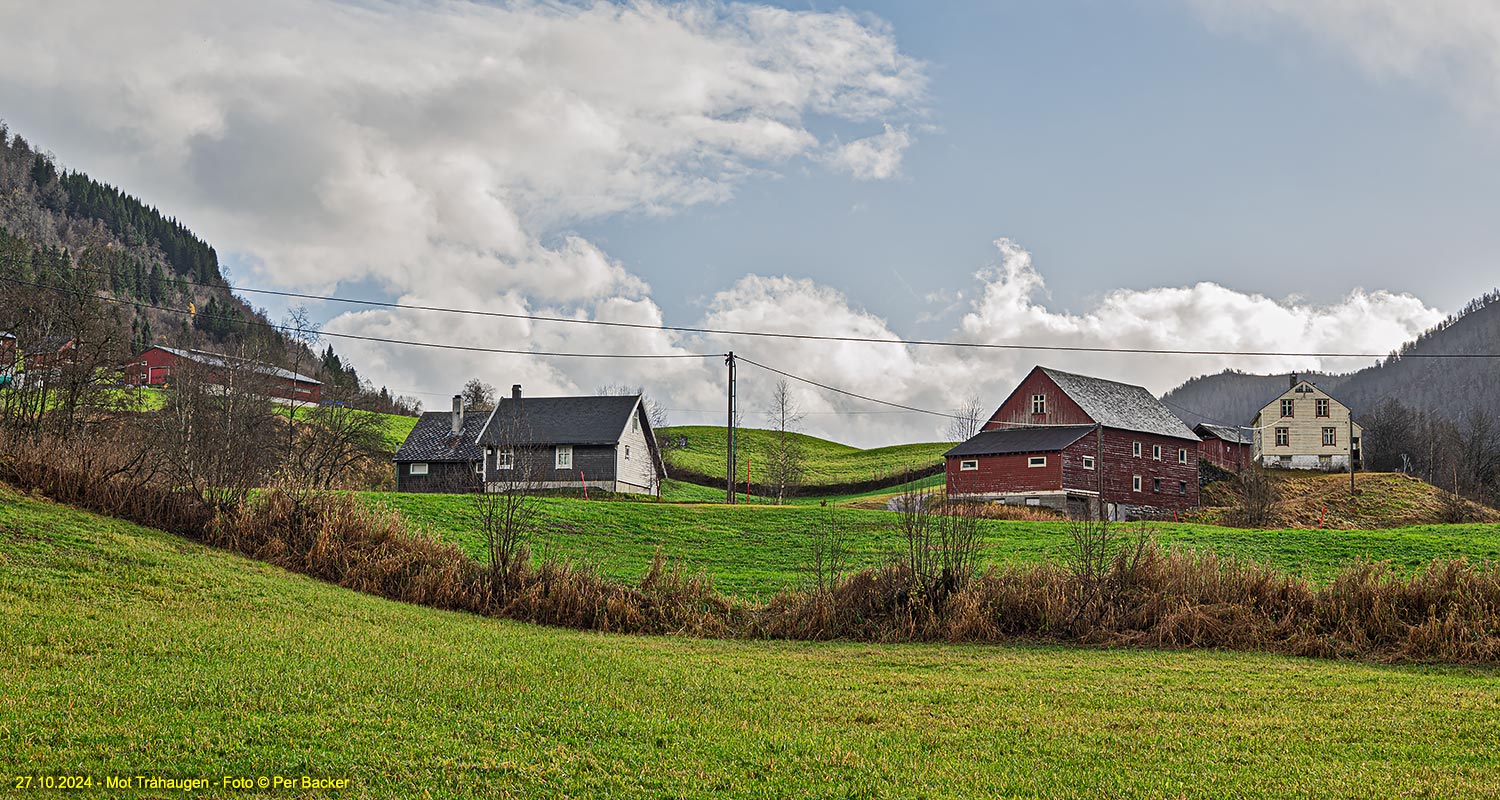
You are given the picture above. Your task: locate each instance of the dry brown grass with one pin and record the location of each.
(1382, 500)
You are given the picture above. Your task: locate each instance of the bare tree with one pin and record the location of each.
(301, 334)
(967, 419)
(785, 459)
(478, 395)
(507, 504)
(828, 556)
(331, 442)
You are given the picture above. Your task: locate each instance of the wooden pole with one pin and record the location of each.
(729, 468)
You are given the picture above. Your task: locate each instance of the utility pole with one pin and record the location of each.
(729, 467)
(1351, 455)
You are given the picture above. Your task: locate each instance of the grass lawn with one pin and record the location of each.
(757, 550)
(828, 463)
(128, 651)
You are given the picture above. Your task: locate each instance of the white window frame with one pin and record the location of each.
(1039, 404)
(1135, 449)
(1182, 455)
(505, 459)
(1322, 408)
(969, 465)
(478, 467)
(1135, 483)
(1156, 485)
(1182, 488)
(1088, 462)
(1330, 436)
(1036, 461)
(1155, 452)
(1283, 437)
(1288, 404)
(417, 468)
(562, 458)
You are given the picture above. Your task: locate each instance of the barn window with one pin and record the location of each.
(1037, 461)
(1322, 406)
(418, 469)
(1135, 449)
(1282, 435)
(564, 456)
(1182, 487)
(969, 466)
(1135, 483)
(1156, 451)
(1156, 485)
(1330, 437)
(1039, 404)
(505, 459)
(1182, 456)
(1286, 408)
(1088, 462)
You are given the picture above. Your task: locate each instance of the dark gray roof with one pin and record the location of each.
(559, 420)
(1120, 405)
(1021, 440)
(432, 439)
(1228, 433)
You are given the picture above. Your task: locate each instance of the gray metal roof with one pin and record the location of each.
(1227, 433)
(432, 439)
(1120, 405)
(233, 362)
(1021, 440)
(559, 420)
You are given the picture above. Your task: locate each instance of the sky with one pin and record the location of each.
(1282, 175)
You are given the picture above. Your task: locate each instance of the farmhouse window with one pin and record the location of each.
(635, 424)
(564, 456)
(1088, 462)
(1156, 485)
(1330, 437)
(969, 466)
(627, 452)
(418, 469)
(1322, 407)
(1156, 451)
(479, 467)
(1182, 456)
(1135, 483)
(1282, 435)
(1286, 408)
(505, 459)
(1037, 461)
(1039, 404)
(1135, 449)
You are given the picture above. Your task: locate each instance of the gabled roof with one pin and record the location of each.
(1001, 441)
(559, 420)
(432, 439)
(233, 362)
(1227, 433)
(1120, 405)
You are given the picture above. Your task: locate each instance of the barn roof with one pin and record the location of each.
(221, 360)
(1227, 433)
(1001, 441)
(432, 439)
(559, 420)
(1120, 405)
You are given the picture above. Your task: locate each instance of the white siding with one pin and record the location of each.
(636, 473)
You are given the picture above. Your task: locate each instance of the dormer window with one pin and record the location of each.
(1039, 404)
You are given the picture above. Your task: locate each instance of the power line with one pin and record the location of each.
(358, 337)
(807, 336)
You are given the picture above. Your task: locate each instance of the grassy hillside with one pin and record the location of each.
(828, 463)
(128, 651)
(1381, 500)
(757, 549)
(394, 428)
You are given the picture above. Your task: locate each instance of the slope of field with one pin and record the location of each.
(131, 652)
(394, 428)
(754, 550)
(1310, 499)
(828, 464)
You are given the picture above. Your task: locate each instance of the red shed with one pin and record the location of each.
(1065, 441)
(1225, 446)
(154, 366)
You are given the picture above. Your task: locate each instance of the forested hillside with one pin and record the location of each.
(64, 235)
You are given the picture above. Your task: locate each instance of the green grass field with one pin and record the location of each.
(394, 428)
(827, 463)
(757, 550)
(127, 651)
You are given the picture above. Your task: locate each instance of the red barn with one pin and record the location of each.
(154, 366)
(1225, 446)
(1067, 441)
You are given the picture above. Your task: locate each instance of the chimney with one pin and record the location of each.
(515, 391)
(458, 414)
(1293, 379)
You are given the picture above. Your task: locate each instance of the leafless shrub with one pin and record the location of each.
(941, 544)
(1258, 497)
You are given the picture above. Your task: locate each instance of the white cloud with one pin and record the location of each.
(1454, 45)
(873, 157)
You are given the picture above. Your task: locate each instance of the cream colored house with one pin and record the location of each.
(1305, 428)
